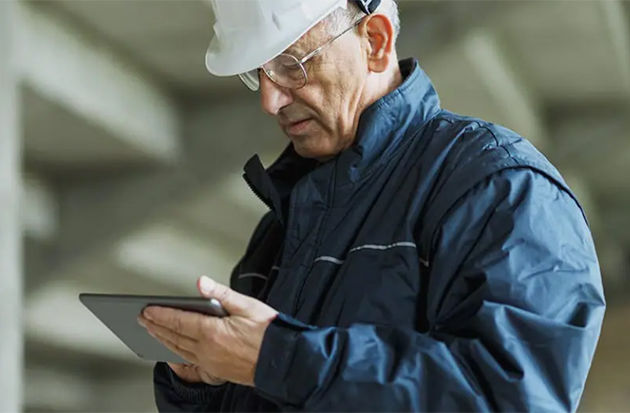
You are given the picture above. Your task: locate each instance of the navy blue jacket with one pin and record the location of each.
(440, 263)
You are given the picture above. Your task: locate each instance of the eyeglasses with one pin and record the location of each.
(285, 69)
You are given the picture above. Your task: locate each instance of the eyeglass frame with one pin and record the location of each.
(300, 62)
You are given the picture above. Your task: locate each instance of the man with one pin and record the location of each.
(413, 259)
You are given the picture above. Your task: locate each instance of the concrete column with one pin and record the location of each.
(11, 341)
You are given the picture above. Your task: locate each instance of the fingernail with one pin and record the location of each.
(206, 284)
(141, 322)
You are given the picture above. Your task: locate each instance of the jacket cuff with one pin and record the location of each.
(189, 392)
(275, 369)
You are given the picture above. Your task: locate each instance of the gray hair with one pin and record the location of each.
(341, 19)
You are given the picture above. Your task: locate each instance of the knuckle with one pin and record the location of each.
(202, 326)
(208, 334)
(177, 324)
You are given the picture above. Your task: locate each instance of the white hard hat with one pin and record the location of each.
(249, 33)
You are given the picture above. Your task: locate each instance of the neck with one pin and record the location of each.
(383, 83)
(376, 86)
(394, 78)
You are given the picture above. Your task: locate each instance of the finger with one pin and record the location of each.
(185, 323)
(181, 352)
(184, 342)
(233, 302)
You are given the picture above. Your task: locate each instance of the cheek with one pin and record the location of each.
(336, 96)
(322, 101)
(333, 95)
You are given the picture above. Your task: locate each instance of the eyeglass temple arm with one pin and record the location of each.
(319, 49)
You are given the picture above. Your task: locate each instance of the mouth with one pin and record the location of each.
(295, 128)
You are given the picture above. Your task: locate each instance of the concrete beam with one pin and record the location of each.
(475, 77)
(608, 230)
(235, 212)
(608, 227)
(472, 70)
(97, 214)
(613, 262)
(616, 226)
(596, 142)
(427, 27)
(591, 148)
(518, 107)
(39, 211)
(205, 236)
(175, 256)
(73, 326)
(618, 27)
(607, 385)
(54, 387)
(48, 390)
(584, 194)
(11, 342)
(89, 79)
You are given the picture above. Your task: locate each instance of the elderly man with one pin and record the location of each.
(413, 259)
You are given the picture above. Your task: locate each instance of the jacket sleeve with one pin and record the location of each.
(514, 307)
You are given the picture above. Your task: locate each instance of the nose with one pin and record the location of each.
(272, 96)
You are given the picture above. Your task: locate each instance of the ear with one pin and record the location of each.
(378, 30)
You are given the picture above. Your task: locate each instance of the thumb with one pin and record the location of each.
(233, 302)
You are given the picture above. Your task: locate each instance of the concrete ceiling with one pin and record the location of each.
(148, 206)
(167, 38)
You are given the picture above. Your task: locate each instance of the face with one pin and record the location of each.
(321, 118)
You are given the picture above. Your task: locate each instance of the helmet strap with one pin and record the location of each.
(368, 6)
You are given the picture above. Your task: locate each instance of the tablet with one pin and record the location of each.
(120, 312)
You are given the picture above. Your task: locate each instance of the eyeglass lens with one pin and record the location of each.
(286, 71)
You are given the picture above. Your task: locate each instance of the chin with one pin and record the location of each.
(314, 152)
(317, 145)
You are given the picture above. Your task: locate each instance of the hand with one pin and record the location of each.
(193, 374)
(225, 347)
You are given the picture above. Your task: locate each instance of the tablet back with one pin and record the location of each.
(119, 313)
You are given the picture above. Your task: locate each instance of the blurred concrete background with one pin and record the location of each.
(120, 162)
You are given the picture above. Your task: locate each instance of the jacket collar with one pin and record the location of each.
(385, 123)
(382, 128)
